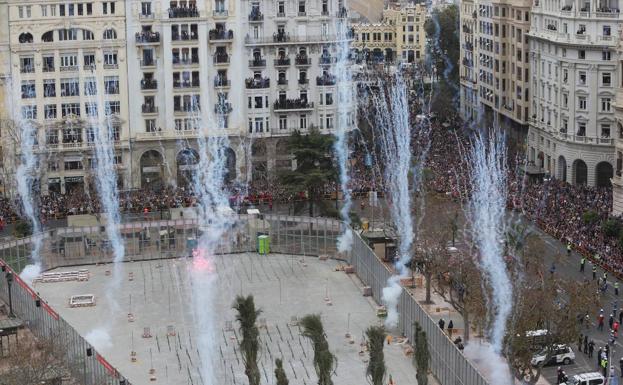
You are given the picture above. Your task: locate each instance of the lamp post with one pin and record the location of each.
(9, 281)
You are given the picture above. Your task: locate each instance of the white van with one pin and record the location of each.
(593, 378)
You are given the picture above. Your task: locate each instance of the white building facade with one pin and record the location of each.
(254, 71)
(574, 61)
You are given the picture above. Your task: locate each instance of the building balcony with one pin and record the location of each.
(111, 66)
(302, 60)
(220, 35)
(257, 63)
(328, 80)
(254, 83)
(186, 84)
(49, 68)
(222, 108)
(185, 36)
(221, 81)
(177, 61)
(147, 38)
(327, 59)
(29, 69)
(89, 67)
(148, 63)
(603, 141)
(303, 82)
(219, 13)
(149, 109)
(293, 105)
(283, 62)
(183, 12)
(342, 13)
(146, 16)
(256, 17)
(67, 69)
(187, 108)
(282, 82)
(149, 84)
(221, 59)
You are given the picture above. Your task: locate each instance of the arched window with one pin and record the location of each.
(25, 37)
(87, 35)
(48, 37)
(110, 34)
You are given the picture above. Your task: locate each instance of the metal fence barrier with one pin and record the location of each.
(174, 238)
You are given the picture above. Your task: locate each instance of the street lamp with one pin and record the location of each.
(9, 281)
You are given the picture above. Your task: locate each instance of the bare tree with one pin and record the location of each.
(32, 363)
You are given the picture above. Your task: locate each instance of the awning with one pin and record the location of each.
(74, 179)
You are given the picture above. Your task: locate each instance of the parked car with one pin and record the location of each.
(562, 354)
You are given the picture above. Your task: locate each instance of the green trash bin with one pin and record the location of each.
(263, 243)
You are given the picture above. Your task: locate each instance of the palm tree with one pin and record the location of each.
(376, 365)
(249, 345)
(325, 363)
(280, 374)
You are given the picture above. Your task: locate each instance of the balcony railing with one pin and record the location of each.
(185, 60)
(27, 69)
(281, 38)
(220, 81)
(149, 84)
(282, 61)
(253, 83)
(221, 59)
(89, 67)
(286, 38)
(257, 63)
(328, 80)
(183, 12)
(48, 68)
(186, 84)
(303, 81)
(222, 108)
(293, 104)
(184, 36)
(327, 59)
(282, 82)
(147, 37)
(256, 16)
(149, 109)
(220, 34)
(68, 68)
(302, 60)
(187, 108)
(148, 63)
(220, 13)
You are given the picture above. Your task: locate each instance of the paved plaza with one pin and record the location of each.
(158, 295)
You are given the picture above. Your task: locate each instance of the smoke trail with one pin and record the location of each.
(105, 169)
(344, 91)
(394, 141)
(487, 210)
(25, 132)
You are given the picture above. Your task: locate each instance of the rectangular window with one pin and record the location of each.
(67, 34)
(581, 129)
(582, 77)
(605, 104)
(110, 59)
(52, 9)
(90, 108)
(283, 122)
(89, 8)
(90, 86)
(582, 102)
(606, 79)
(605, 55)
(49, 88)
(111, 85)
(581, 54)
(605, 131)
(44, 10)
(68, 109)
(29, 112)
(70, 87)
(51, 136)
(113, 108)
(28, 89)
(281, 9)
(27, 64)
(48, 64)
(49, 112)
(69, 61)
(150, 125)
(303, 122)
(61, 9)
(301, 7)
